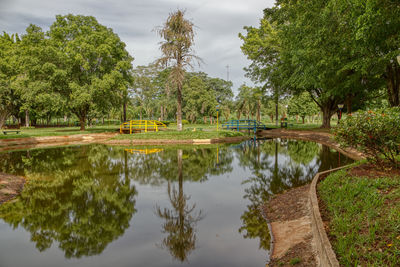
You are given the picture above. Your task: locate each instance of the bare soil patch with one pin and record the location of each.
(10, 186)
(290, 205)
(372, 171)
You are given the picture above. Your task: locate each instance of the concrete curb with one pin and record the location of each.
(326, 255)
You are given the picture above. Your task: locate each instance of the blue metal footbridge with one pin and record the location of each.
(244, 125)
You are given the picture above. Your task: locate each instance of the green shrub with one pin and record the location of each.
(375, 133)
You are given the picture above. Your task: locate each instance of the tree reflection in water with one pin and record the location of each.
(81, 208)
(180, 221)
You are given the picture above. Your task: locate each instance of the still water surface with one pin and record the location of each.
(98, 205)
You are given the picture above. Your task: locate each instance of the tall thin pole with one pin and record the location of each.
(217, 119)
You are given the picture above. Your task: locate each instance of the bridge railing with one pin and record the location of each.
(141, 125)
(243, 125)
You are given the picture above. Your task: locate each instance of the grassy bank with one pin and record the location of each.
(36, 132)
(183, 135)
(364, 215)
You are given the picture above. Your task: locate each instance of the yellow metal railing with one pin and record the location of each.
(141, 125)
(144, 151)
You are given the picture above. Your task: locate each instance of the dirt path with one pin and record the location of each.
(10, 186)
(289, 216)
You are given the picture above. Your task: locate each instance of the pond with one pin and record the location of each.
(98, 205)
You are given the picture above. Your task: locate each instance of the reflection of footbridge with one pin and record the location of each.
(144, 151)
(137, 126)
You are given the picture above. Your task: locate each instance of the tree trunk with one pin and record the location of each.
(205, 119)
(303, 118)
(3, 118)
(82, 121)
(26, 118)
(349, 101)
(161, 113)
(179, 109)
(327, 113)
(124, 111)
(258, 110)
(393, 84)
(276, 113)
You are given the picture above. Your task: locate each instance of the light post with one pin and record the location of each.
(217, 115)
(340, 106)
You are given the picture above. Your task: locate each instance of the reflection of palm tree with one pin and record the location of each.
(179, 222)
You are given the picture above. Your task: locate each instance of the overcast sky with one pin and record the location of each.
(218, 23)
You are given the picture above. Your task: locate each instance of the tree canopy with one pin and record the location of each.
(337, 51)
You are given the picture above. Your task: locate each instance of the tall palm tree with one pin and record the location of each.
(177, 50)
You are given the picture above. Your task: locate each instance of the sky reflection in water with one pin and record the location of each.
(160, 207)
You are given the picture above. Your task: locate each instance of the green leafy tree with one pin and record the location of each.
(245, 101)
(95, 60)
(177, 50)
(302, 105)
(298, 46)
(39, 82)
(145, 91)
(8, 73)
(372, 30)
(262, 46)
(198, 99)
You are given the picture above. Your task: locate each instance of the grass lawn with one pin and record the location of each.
(364, 216)
(35, 132)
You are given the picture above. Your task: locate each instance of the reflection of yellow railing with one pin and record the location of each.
(141, 125)
(144, 151)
